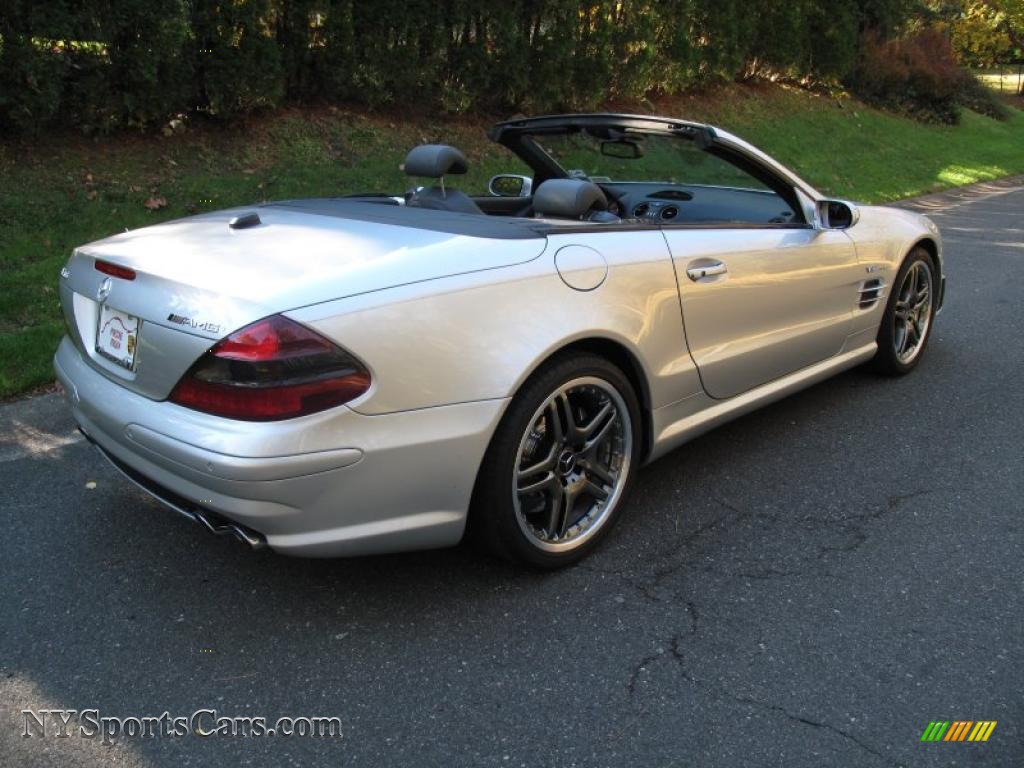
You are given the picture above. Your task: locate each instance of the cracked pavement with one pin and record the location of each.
(807, 586)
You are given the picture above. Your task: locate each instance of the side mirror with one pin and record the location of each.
(837, 214)
(510, 185)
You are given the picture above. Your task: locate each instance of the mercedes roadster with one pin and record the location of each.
(390, 371)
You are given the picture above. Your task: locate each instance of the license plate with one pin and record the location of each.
(117, 337)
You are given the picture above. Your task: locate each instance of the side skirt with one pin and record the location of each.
(680, 422)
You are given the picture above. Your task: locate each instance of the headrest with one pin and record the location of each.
(568, 198)
(434, 161)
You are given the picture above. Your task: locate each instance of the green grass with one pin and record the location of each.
(847, 149)
(65, 191)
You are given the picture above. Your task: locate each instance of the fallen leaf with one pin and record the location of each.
(155, 203)
(91, 194)
(248, 171)
(91, 484)
(134, 188)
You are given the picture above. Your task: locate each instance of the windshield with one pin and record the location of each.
(626, 156)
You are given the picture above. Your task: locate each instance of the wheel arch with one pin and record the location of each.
(929, 244)
(626, 360)
(932, 247)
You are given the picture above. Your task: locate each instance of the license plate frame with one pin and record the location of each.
(117, 336)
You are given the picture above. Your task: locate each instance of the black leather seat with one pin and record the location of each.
(572, 199)
(434, 161)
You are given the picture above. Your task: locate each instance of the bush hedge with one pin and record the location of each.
(101, 64)
(918, 74)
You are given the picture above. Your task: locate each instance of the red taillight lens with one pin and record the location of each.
(273, 369)
(114, 270)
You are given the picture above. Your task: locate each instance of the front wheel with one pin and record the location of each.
(907, 322)
(557, 472)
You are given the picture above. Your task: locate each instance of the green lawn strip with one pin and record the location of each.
(66, 191)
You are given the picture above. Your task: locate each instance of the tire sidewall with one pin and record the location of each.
(886, 360)
(493, 506)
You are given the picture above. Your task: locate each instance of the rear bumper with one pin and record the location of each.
(331, 484)
(197, 513)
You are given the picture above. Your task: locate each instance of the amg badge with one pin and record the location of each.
(182, 320)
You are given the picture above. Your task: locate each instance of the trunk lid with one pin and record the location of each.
(198, 279)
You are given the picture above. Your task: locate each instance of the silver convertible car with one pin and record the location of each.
(390, 372)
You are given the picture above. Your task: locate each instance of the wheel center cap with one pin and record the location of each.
(566, 462)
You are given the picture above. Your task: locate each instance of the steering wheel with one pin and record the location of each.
(614, 201)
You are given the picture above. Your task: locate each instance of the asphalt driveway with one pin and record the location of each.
(808, 586)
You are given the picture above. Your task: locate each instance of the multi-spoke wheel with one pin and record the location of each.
(560, 463)
(572, 463)
(907, 322)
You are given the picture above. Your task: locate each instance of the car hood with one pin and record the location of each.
(219, 278)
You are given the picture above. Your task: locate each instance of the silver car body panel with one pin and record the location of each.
(333, 483)
(219, 279)
(785, 301)
(480, 336)
(450, 327)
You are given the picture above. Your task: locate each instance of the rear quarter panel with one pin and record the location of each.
(479, 336)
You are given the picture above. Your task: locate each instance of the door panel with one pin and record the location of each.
(761, 303)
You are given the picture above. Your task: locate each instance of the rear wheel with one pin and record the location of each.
(907, 322)
(557, 472)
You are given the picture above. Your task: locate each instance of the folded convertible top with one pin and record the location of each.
(382, 212)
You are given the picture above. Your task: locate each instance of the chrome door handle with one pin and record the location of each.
(708, 270)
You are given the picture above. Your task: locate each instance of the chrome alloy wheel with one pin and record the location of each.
(572, 464)
(913, 312)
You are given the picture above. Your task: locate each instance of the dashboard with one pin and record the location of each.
(696, 204)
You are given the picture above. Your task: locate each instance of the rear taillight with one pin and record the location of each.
(273, 369)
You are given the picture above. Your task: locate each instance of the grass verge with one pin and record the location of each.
(66, 191)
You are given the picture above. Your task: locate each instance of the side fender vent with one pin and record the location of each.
(870, 292)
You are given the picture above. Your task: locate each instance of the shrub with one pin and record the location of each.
(30, 84)
(238, 63)
(973, 94)
(105, 64)
(88, 98)
(916, 74)
(150, 72)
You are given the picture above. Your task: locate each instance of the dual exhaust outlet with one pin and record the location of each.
(212, 521)
(220, 526)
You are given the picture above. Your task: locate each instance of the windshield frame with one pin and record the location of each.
(519, 136)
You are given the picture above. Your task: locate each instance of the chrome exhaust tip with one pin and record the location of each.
(212, 521)
(222, 527)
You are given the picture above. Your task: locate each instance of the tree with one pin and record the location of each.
(979, 35)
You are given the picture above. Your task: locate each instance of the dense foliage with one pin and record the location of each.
(918, 74)
(100, 64)
(984, 32)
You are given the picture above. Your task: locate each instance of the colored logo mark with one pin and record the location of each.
(958, 730)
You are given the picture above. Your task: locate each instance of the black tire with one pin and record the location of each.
(499, 520)
(888, 359)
